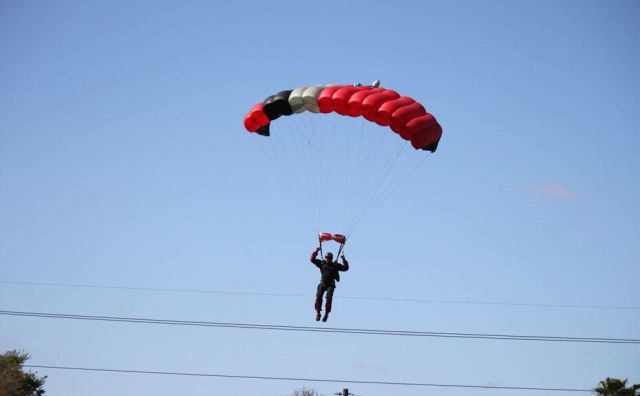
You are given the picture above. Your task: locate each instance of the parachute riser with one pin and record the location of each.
(339, 251)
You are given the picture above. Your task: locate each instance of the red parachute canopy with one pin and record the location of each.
(402, 114)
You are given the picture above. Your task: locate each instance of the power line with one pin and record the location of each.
(253, 326)
(343, 381)
(382, 299)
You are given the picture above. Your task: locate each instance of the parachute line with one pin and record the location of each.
(337, 172)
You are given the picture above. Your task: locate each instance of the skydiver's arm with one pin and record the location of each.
(345, 264)
(313, 258)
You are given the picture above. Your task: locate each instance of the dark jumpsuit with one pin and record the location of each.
(329, 274)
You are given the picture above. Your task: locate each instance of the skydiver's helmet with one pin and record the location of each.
(328, 256)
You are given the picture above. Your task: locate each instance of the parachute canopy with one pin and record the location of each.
(402, 114)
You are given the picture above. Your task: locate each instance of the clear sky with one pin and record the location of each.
(124, 162)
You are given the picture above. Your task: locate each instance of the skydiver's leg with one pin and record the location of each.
(327, 307)
(319, 295)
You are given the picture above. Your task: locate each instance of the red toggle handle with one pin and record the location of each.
(327, 236)
(339, 238)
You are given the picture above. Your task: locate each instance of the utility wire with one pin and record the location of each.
(253, 326)
(248, 293)
(342, 381)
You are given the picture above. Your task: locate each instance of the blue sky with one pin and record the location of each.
(123, 162)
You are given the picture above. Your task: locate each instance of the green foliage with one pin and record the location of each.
(616, 387)
(14, 381)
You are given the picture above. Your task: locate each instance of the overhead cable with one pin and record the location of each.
(342, 381)
(254, 326)
(360, 298)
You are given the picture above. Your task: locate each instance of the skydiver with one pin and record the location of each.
(330, 273)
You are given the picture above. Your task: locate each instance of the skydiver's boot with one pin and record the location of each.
(317, 316)
(325, 317)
